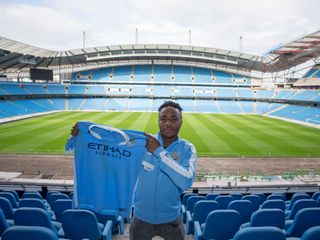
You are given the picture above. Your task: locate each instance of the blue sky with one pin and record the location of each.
(59, 24)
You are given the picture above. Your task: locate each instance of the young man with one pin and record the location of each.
(164, 176)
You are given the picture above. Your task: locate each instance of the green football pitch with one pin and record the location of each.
(216, 135)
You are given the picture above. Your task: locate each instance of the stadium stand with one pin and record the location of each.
(197, 89)
(198, 86)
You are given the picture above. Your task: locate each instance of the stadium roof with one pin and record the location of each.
(17, 57)
(294, 53)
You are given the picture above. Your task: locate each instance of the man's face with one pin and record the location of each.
(170, 121)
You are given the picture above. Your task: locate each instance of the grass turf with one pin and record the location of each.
(217, 135)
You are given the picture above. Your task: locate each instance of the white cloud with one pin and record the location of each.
(58, 24)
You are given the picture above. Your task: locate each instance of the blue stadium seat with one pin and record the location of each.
(55, 196)
(224, 201)
(273, 203)
(220, 224)
(81, 223)
(212, 196)
(244, 207)
(29, 233)
(184, 200)
(296, 197)
(298, 205)
(27, 216)
(3, 222)
(260, 233)
(7, 209)
(311, 234)
(254, 199)
(11, 198)
(201, 210)
(275, 196)
(303, 220)
(236, 196)
(191, 202)
(35, 203)
(59, 206)
(267, 217)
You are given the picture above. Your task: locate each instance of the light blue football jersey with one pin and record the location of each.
(107, 162)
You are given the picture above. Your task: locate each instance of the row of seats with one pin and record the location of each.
(155, 90)
(54, 212)
(213, 214)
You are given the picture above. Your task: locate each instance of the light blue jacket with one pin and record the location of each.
(164, 176)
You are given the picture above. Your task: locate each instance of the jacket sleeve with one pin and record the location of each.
(183, 173)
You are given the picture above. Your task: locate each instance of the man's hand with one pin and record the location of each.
(75, 130)
(152, 143)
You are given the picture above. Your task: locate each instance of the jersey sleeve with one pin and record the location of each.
(183, 173)
(70, 145)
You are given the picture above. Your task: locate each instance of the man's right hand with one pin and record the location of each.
(75, 130)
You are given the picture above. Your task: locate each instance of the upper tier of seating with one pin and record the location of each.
(133, 90)
(162, 74)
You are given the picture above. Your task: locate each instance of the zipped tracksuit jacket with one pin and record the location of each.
(165, 175)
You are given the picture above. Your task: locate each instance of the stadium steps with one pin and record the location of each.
(277, 109)
(218, 106)
(41, 105)
(81, 105)
(3, 92)
(242, 110)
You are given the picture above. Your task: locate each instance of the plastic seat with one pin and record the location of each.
(244, 207)
(315, 195)
(300, 204)
(254, 199)
(262, 197)
(55, 196)
(236, 196)
(59, 206)
(29, 232)
(224, 201)
(273, 203)
(3, 222)
(117, 222)
(212, 196)
(192, 201)
(272, 217)
(201, 210)
(14, 193)
(33, 202)
(7, 209)
(51, 192)
(184, 200)
(32, 194)
(276, 196)
(36, 203)
(71, 195)
(81, 223)
(311, 234)
(220, 225)
(296, 197)
(11, 198)
(260, 233)
(303, 220)
(27, 216)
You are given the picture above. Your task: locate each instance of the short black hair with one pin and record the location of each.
(170, 104)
